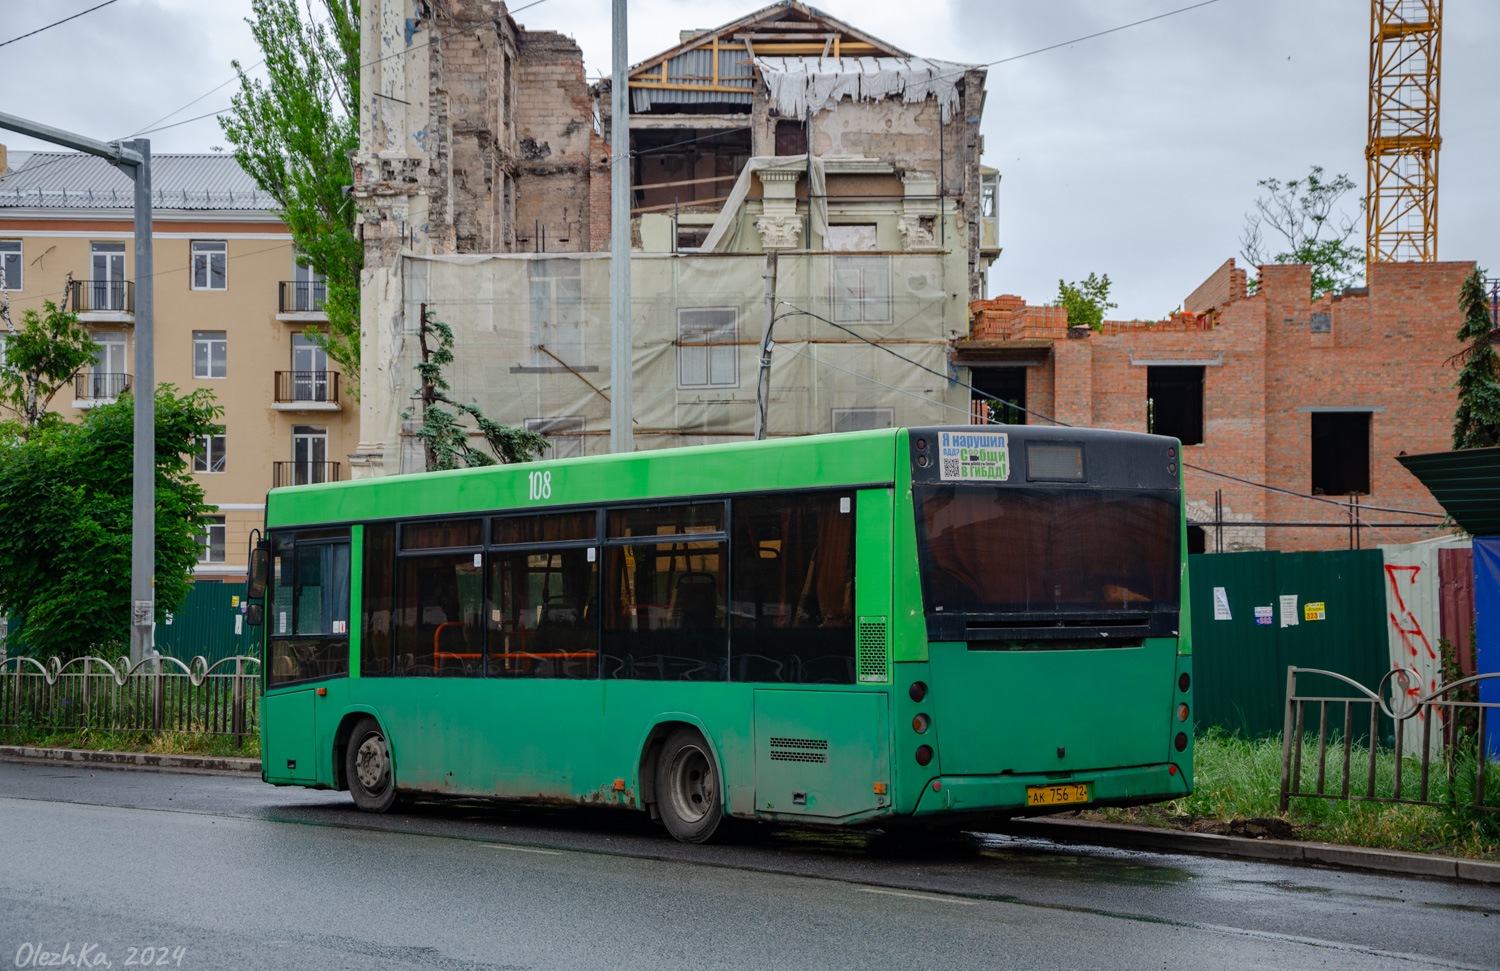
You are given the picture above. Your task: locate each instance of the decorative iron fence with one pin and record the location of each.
(98, 385)
(1386, 771)
(156, 694)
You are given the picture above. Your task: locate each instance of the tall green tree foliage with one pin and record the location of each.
(65, 519)
(294, 132)
(1308, 216)
(41, 359)
(443, 436)
(1476, 424)
(1085, 300)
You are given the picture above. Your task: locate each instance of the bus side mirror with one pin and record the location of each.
(255, 614)
(260, 572)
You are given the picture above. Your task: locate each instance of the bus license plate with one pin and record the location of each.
(1057, 795)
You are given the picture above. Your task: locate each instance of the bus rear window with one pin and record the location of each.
(997, 551)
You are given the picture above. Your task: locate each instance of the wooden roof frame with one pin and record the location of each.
(764, 17)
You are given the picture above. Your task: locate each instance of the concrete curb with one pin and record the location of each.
(201, 764)
(1281, 851)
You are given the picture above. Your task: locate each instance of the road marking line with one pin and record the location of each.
(921, 896)
(520, 849)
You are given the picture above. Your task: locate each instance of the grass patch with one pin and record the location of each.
(1239, 779)
(156, 743)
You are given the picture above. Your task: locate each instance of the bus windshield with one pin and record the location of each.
(1003, 550)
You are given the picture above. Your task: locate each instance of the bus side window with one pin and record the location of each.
(378, 600)
(792, 598)
(439, 625)
(309, 622)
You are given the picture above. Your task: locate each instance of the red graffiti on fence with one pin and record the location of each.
(1408, 627)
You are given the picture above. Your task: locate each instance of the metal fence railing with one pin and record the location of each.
(301, 296)
(156, 694)
(102, 296)
(1452, 728)
(100, 386)
(303, 473)
(320, 387)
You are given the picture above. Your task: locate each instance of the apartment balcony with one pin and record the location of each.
(92, 389)
(299, 301)
(303, 473)
(306, 391)
(103, 301)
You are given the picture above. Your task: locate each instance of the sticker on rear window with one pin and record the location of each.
(973, 456)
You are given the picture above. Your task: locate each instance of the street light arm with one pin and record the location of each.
(113, 151)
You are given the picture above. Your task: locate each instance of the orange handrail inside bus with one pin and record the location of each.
(553, 654)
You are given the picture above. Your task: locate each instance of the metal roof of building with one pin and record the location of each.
(74, 180)
(1466, 483)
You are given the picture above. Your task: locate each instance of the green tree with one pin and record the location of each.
(294, 132)
(1085, 300)
(40, 360)
(1476, 424)
(65, 520)
(1307, 215)
(443, 436)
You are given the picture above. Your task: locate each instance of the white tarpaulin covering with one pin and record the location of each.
(724, 237)
(532, 345)
(798, 84)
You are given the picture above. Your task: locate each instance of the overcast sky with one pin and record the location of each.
(1134, 154)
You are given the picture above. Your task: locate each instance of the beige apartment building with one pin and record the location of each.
(233, 311)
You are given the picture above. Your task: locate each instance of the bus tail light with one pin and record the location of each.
(924, 754)
(918, 690)
(1179, 743)
(1182, 712)
(920, 724)
(1183, 681)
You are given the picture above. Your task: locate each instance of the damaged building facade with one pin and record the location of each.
(483, 182)
(1310, 397)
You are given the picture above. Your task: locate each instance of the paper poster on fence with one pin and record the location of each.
(1263, 616)
(1221, 604)
(1289, 610)
(1313, 611)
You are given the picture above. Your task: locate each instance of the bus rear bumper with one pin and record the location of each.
(1001, 793)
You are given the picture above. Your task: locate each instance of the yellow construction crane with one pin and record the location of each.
(1401, 181)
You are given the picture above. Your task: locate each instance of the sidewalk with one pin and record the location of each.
(1272, 850)
(201, 764)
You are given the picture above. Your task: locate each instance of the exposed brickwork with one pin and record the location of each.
(1264, 369)
(1009, 317)
(557, 147)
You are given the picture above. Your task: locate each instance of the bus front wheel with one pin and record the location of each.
(688, 794)
(367, 766)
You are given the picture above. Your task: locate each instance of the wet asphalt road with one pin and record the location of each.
(238, 874)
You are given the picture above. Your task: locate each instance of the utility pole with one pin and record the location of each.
(621, 435)
(135, 158)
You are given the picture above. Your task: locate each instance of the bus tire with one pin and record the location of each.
(367, 767)
(688, 791)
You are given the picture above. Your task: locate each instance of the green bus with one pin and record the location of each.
(902, 626)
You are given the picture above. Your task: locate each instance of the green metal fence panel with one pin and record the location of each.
(1240, 662)
(208, 622)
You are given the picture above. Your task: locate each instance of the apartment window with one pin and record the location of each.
(556, 292)
(1340, 453)
(107, 277)
(210, 264)
(564, 435)
(309, 454)
(10, 264)
(706, 353)
(1174, 402)
(210, 354)
(212, 550)
(862, 419)
(211, 453)
(309, 288)
(860, 289)
(108, 377)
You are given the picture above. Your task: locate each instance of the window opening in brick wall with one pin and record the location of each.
(707, 356)
(1006, 383)
(862, 419)
(1197, 539)
(1174, 402)
(791, 138)
(1341, 453)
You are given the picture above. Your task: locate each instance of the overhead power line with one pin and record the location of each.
(33, 33)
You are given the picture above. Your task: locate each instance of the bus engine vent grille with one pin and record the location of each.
(869, 649)
(799, 749)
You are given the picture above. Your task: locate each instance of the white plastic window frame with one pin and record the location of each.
(206, 253)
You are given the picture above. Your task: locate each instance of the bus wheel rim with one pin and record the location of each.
(372, 763)
(692, 784)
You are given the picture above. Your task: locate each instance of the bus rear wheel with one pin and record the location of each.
(367, 766)
(688, 794)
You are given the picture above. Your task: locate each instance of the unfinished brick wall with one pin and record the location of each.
(1265, 373)
(557, 148)
(1223, 287)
